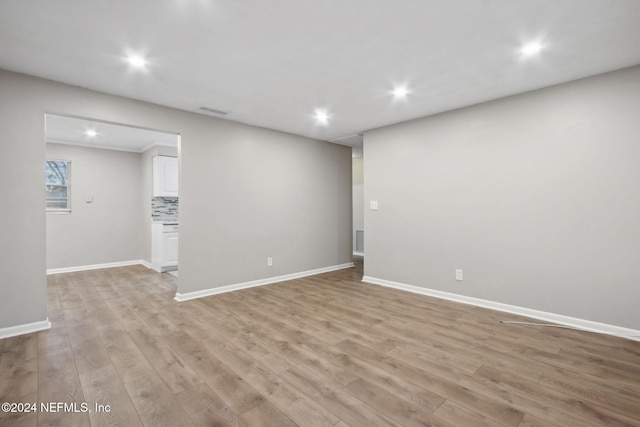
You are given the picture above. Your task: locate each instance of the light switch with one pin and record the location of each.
(373, 205)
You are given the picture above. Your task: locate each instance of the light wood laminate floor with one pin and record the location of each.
(326, 350)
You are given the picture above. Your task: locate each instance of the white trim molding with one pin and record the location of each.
(27, 328)
(572, 322)
(98, 266)
(261, 282)
(146, 264)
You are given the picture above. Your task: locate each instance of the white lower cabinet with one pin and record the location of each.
(164, 247)
(170, 246)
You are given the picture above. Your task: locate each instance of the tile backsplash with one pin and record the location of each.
(164, 208)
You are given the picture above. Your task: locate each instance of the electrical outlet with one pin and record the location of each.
(459, 275)
(269, 262)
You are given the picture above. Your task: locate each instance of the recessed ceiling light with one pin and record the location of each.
(400, 92)
(531, 49)
(136, 61)
(322, 117)
(91, 133)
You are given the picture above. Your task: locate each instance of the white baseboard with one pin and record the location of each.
(355, 253)
(98, 266)
(27, 328)
(572, 322)
(146, 264)
(236, 287)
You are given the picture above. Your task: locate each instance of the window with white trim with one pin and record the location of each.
(57, 180)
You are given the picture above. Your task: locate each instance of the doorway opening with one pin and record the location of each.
(109, 193)
(357, 170)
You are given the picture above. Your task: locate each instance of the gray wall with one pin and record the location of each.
(23, 286)
(110, 228)
(249, 194)
(245, 193)
(536, 197)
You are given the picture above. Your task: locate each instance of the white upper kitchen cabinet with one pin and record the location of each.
(165, 176)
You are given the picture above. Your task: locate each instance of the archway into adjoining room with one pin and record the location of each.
(103, 197)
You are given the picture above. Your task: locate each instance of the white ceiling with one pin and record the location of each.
(72, 131)
(272, 63)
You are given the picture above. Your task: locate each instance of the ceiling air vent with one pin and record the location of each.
(214, 111)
